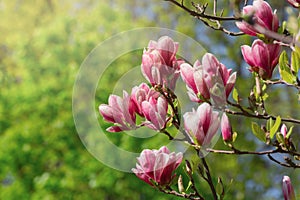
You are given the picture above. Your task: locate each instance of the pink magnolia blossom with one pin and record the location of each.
(261, 57)
(283, 130)
(294, 3)
(218, 79)
(155, 111)
(159, 63)
(287, 189)
(119, 111)
(193, 77)
(142, 93)
(202, 124)
(263, 16)
(157, 166)
(226, 128)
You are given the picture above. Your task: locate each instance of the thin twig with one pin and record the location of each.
(209, 179)
(280, 37)
(239, 152)
(183, 195)
(258, 116)
(202, 16)
(281, 163)
(190, 175)
(281, 82)
(215, 7)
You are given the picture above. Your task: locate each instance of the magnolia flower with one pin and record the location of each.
(119, 111)
(159, 63)
(142, 93)
(218, 79)
(157, 166)
(202, 124)
(193, 77)
(261, 57)
(155, 111)
(263, 16)
(287, 189)
(283, 130)
(295, 3)
(226, 128)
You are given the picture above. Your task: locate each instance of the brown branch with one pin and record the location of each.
(258, 116)
(281, 82)
(288, 163)
(202, 16)
(191, 196)
(239, 152)
(281, 163)
(280, 37)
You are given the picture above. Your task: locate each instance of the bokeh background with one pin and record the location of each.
(42, 45)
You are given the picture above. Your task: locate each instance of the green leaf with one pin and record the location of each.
(270, 124)
(258, 132)
(234, 136)
(290, 132)
(265, 96)
(189, 185)
(220, 187)
(295, 63)
(279, 138)
(235, 95)
(282, 27)
(288, 77)
(274, 128)
(285, 71)
(283, 60)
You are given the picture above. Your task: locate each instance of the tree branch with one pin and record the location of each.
(256, 115)
(191, 196)
(202, 16)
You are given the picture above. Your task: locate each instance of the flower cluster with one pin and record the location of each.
(207, 83)
(143, 101)
(209, 80)
(261, 56)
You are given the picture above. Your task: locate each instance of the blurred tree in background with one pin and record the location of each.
(42, 44)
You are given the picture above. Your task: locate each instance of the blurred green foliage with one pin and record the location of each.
(42, 44)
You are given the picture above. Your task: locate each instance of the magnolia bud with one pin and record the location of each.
(180, 184)
(226, 128)
(287, 189)
(283, 130)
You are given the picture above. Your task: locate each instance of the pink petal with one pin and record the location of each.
(230, 83)
(246, 28)
(114, 129)
(247, 54)
(107, 113)
(204, 111)
(187, 74)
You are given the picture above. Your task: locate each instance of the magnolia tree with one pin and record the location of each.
(210, 84)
